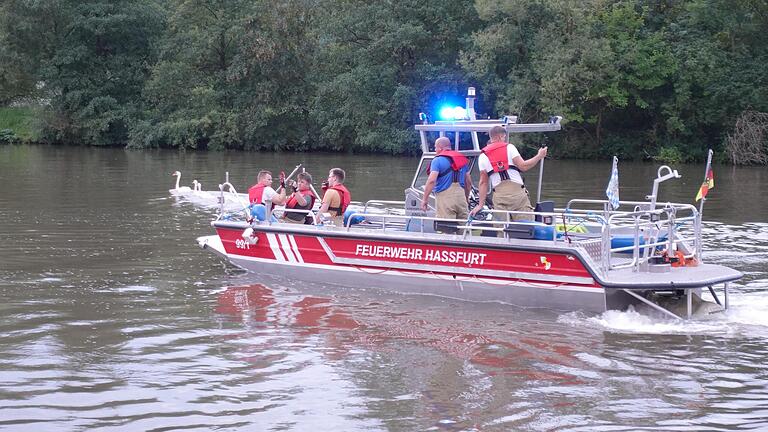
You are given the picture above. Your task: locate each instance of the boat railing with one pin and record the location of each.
(371, 203)
(228, 189)
(610, 239)
(666, 230)
(648, 232)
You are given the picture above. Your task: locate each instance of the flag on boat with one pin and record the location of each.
(709, 183)
(612, 192)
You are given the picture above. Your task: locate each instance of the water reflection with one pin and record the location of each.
(114, 320)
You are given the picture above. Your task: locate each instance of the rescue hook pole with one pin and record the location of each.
(541, 179)
(294, 171)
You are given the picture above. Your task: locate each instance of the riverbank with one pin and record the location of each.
(20, 125)
(17, 125)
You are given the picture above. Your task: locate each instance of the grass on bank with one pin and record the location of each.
(20, 120)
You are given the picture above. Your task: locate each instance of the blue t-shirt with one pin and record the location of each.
(442, 165)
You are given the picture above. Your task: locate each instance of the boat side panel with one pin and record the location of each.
(519, 293)
(468, 258)
(414, 257)
(274, 246)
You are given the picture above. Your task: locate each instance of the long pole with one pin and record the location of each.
(294, 171)
(541, 179)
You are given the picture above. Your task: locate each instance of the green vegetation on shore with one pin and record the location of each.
(17, 124)
(663, 79)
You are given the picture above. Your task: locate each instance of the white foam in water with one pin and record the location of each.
(745, 309)
(632, 321)
(749, 309)
(136, 288)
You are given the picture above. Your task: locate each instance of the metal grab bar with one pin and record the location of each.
(231, 190)
(369, 202)
(654, 226)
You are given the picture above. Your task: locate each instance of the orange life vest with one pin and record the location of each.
(346, 198)
(293, 203)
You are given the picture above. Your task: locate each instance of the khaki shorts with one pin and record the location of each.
(511, 196)
(291, 221)
(452, 203)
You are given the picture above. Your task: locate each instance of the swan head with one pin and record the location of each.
(176, 173)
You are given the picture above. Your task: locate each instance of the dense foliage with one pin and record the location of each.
(637, 78)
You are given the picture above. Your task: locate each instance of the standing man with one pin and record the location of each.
(262, 191)
(336, 198)
(502, 164)
(450, 180)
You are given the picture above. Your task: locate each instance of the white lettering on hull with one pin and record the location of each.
(418, 254)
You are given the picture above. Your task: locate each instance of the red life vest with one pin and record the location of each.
(294, 203)
(255, 193)
(458, 161)
(497, 154)
(500, 163)
(346, 197)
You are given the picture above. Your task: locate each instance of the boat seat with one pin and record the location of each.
(520, 230)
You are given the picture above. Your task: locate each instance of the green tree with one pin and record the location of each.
(29, 32)
(232, 76)
(91, 59)
(380, 63)
(723, 47)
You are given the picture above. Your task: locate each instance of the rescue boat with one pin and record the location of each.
(586, 256)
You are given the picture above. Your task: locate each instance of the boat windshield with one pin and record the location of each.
(421, 174)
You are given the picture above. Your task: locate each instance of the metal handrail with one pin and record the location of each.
(230, 188)
(385, 202)
(655, 226)
(598, 226)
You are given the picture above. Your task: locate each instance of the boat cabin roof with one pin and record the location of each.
(459, 129)
(464, 135)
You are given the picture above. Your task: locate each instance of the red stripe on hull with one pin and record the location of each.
(376, 254)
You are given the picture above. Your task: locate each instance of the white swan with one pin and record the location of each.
(212, 196)
(179, 190)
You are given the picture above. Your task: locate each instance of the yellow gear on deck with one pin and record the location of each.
(576, 229)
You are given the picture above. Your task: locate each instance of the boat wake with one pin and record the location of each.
(746, 316)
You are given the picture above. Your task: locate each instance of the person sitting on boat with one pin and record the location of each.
(262, 192)
(336, 197)
(450, 180)
(301, 198)
(502, 164)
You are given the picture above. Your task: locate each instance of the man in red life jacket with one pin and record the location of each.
(502, 164)
(450, 180)
(262, 191)
(302, 198)
(336, 198)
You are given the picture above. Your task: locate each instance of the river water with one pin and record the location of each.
(114, 320)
